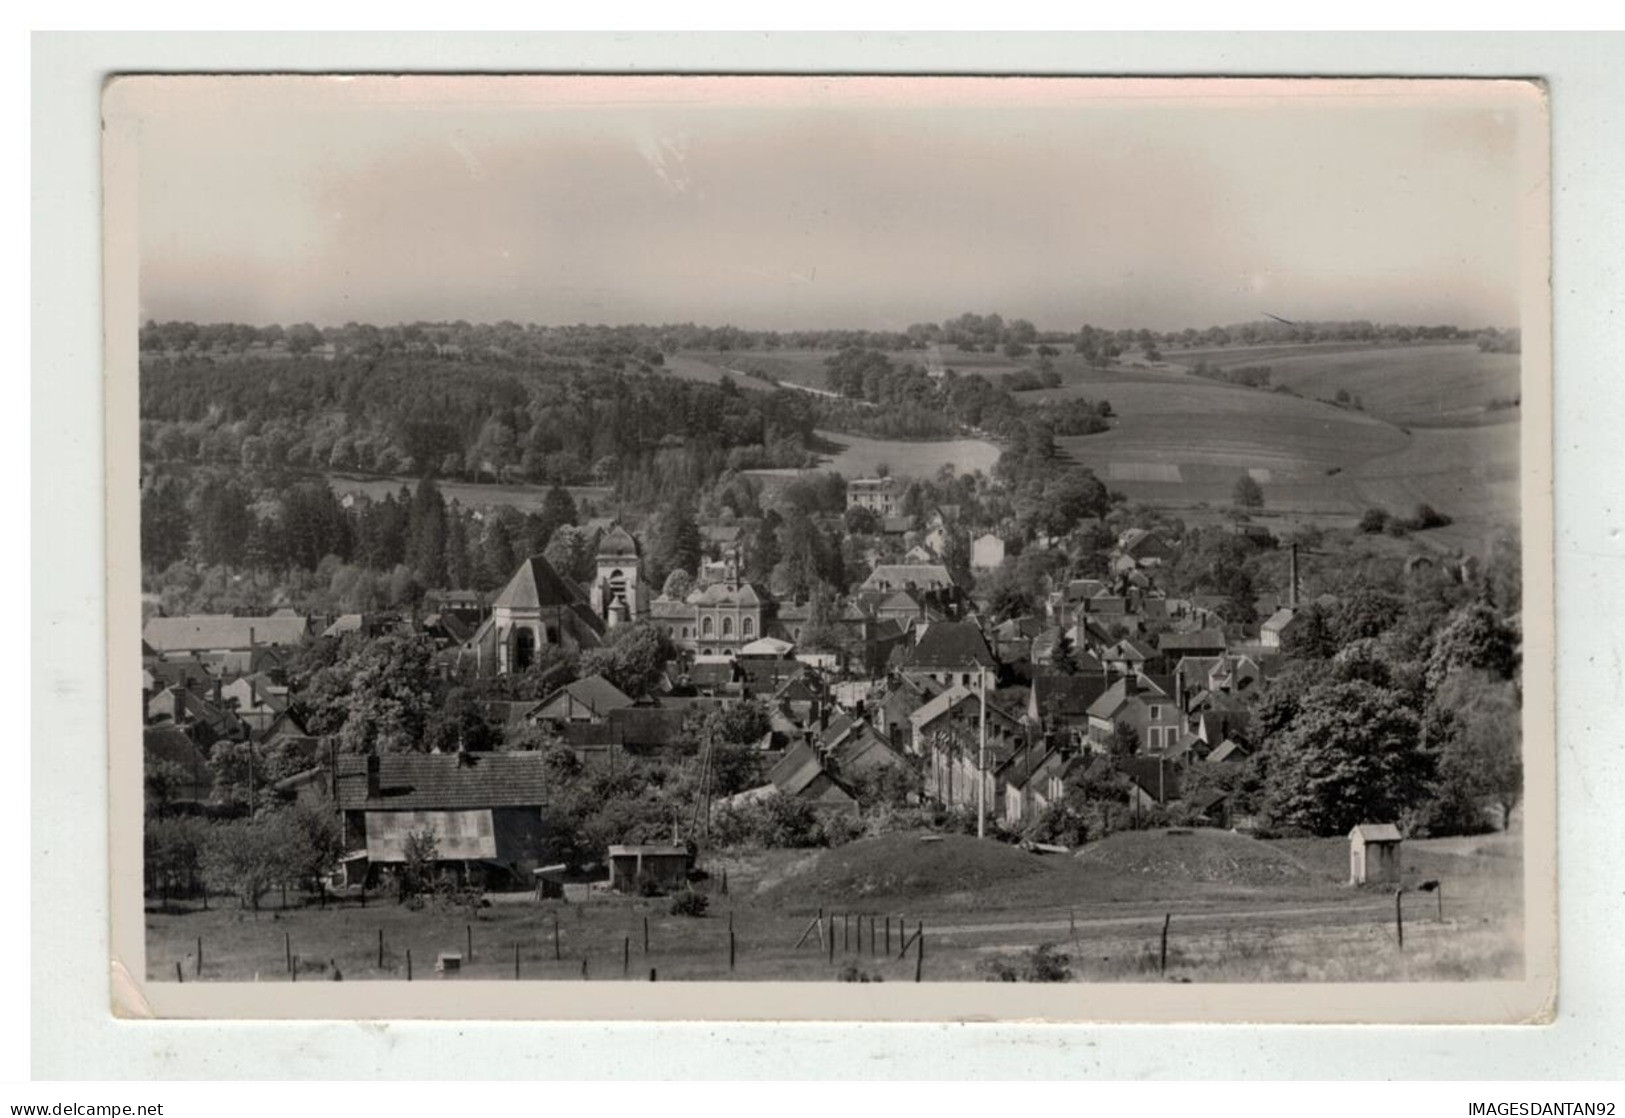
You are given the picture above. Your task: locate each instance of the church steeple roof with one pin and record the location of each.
(617, 543)
(536, 585)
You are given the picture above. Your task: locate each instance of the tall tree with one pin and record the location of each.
(164, 524)
(426, 534)
(677, 543)
(633, 659)
(498, 560)
(558, 510)
(1248, 494)
(377, 698)
(1351, 755)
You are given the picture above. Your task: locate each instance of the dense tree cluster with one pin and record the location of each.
(554, 421)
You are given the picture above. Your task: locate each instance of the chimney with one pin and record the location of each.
(1131, 683)
(374, 779)
(177, 700)
(1292, 579)
(218, 700)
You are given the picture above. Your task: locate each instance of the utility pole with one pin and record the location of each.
(981, 758)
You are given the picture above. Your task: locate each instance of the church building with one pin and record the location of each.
(538, 608)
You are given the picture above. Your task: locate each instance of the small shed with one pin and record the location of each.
(550, 882)
(1374, 854)
(664, 864)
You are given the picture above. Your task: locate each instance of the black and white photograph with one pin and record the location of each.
(1052, 547)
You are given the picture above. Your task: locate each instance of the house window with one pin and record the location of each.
(727, 626)
(1156, 714)
(706, 626)
(748, 627)
(965, 679)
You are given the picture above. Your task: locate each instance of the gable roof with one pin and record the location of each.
(204, 633)
(1067, 696)
(443, 781)
(924, 576)
(1376, 832)
(954, 645)
(1113, 698)
(1200, 641)
(536, 585)
(597, 694)
(1278, 620)
(173, 744)
(796, 769)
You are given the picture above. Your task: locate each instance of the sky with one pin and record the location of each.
(784, 203)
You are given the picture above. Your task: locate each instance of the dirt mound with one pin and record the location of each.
(908, 866)
(1217, 857)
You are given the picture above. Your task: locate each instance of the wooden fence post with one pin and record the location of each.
(652, 976)
(626, 955)
(179, 978)
(730, 949)
(408, 964)
(380, 949)
(583, 969)
(888, 935)
(287, 949)
(846, 932)
(469, 928)
(1399, 917)
(516, 961)
(556, 952)
(919, 953)
(1162, 961)
(200, 956)
(832, 937)
(295, 968)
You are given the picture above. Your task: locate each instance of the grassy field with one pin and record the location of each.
(1413, 386)
(862, 457)
(1239, 910)
(525, 498)
(1180, 441)
(710, 369)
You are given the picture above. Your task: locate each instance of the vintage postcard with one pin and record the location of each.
(917, 548)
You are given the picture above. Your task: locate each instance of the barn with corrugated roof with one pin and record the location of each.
(485, 810)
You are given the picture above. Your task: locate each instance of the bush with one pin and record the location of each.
(1041, 964)
(1429, 517)
(854, 973)
(648, 886)
(839, 828)
(690, 903)
(1374, 520)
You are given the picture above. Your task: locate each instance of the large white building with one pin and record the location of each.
(881, 495)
